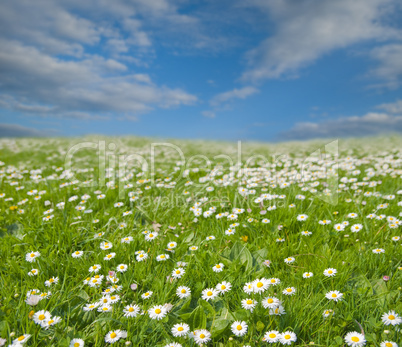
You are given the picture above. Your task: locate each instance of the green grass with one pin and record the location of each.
(366, 295)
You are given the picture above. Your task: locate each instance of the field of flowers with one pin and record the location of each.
(200, 243)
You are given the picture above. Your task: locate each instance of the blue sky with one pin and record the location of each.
(266, 70)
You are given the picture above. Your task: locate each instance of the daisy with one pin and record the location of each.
(239, 328)
(270, 302)
(378, 250)
(151, 236)
(183, 292)
(157, 312)
(209, 238)
(178, 273)
(271, 336)
(202, 336)
(287, 338)
(105, 308)
(274, 281)
(49, 282)
(388, 344)
(162, 257)
(31, 256)
(109, 256)
(127, 239)
(339, 227)
(308, 275)
(95, 268)
(334, 295)
(90, 307)
(41, 317)
(20, 340)
(326, 313)
(248, 288)
(114, 336)
(391, 318)
(248, 304)
(146, 295)
(77, 254)
(289, 260)
(52, 321)
(33, 272)
(354, 339)
(278, 311)
(131, 310)
(174, 344)
(223, 287)
(302, 217)
(193, 248)
(77, 343)
(330, 272)
(356, 228)
(260, 285)
(180, 329)
(306, 233)
(280, 240)
(209, 293)
(218, 267)
(106, 245)
(289, 291)
(172, 245)
(122, 268)
(142, 256)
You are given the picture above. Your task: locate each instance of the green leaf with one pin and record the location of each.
(219, 326)
(338, 340)
(198, 319)
(260, 326)
(207, 306)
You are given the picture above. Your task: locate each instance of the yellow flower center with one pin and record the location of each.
(105, 309)
(209, 293)
(388, 344)
(76, 344)
(183, 291)
(130, 309)
(21, 338)
(151, 235)
(218, 266)
(287, 337)
(391, 317)
(249, 302)
(50, 322)
(178, 272)
(202, 336)
(330, 272)
(32, 255)
(355, 339)
(272, 281)
(157, 311)
(113, 335)
(239, 327)
(272, 335)
(289, 290)
(259, 284)
(334, 295)
(223, 287)
(270, 301)
(180, 328)
(41, 317)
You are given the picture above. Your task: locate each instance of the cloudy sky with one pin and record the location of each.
(263, 70)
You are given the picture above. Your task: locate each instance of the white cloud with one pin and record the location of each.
(16, 130)
(389, 68)
(241, 93)
(392, 107)
(32, 78)
(208, 114)
(370, 124)
(306, 30)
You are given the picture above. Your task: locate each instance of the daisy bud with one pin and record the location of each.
(133, 286)
(385, 278)
(111, 273)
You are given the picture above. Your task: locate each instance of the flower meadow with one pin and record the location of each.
(199, 248)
